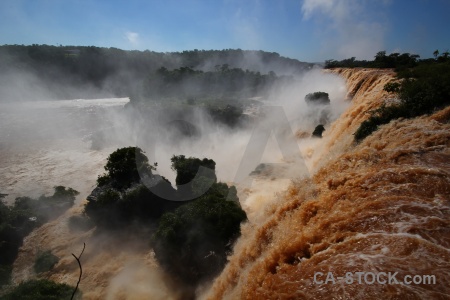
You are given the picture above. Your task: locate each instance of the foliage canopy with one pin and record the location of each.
(192, 242)
(192, 238)
(421, 90)
(42, 289)
(19, 220)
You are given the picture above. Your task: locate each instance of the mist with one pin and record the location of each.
(46, 141)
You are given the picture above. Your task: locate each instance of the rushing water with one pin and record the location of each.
(380, 206)
(47, 143)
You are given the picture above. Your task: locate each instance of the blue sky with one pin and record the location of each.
(309, 30)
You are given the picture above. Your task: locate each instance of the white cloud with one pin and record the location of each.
(132, 37)
(349, 28)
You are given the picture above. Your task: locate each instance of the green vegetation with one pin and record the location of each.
(5, 274)
(19, 220)
(188, 83)
(124, 166)
(188, 168)
(421, 90)
(80, 223)
(115, 209)
(41, 290)
(192, 242)
(46, 208)
(393, 60)
(193, 237)
(319, 105)
(114, 71)
(45, 261)
(121, 197)
(229, 114)
(317, 98)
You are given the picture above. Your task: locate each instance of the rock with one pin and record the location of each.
(318, 131)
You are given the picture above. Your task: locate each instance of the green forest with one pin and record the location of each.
(147, 74)
(422, 87)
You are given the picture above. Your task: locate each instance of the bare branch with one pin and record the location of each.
(81, 270)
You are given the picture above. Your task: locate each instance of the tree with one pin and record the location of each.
(125, 166)
(18, 220)
(193, 237)
(121, 196)
(436, 53)
(42, 289)
(45, 261)
(317, 98)
(188, 169)
(422, 90)
(192, 242)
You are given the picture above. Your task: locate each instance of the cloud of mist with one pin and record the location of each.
(354, 29)
(22, 81)
(67, 142)
(227, 146)
(137, 281)
(82, 132)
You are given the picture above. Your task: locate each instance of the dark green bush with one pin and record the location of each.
(19, 220)
(104, 211)
(5, 274)
(381, 60)
(317, 98)
(187, 168)
(192, 242)
(121, 198)
(80, 223)
(45, 261)
(422, 90)
(194, 176)
(125, 166)
(229, 115)
(192, 237)
(46, 208)
(41, 290)
(15, 224)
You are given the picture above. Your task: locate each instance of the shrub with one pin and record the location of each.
(5, 274)
(46, 208)
(193, 174)
(41, 290)
(422, 90)
(19, 220)
(193, 241)
(192, 237)
(80, 223)
(124, 167)
(45, 261)
(317, 98)
(229, 115)
(121, 197)
(187, 168)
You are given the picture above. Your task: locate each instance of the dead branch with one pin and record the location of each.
(81, 270)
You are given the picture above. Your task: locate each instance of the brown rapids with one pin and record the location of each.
(380, 206)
